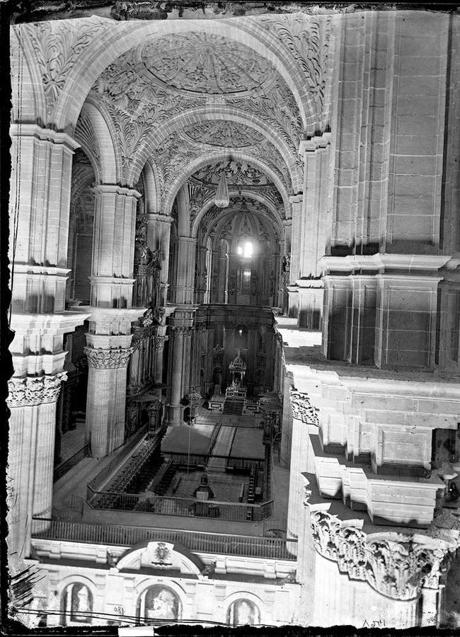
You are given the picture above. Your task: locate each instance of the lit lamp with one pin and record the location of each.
(222, 199)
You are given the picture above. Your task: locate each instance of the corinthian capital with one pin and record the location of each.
(34, 390)
(302, 409)
(101, 358)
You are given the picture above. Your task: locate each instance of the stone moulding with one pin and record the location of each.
(101, 358)
(395, 565)
(34, 390)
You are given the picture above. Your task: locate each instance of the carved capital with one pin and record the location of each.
(182, 329)
(34, 390)
(159, 341)
(302, 409)
(396, 566)
(101, 358)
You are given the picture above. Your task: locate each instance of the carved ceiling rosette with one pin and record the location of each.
(204, 63)
(140, 101)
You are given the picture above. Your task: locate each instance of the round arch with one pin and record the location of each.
(111, 45)
(249, 194)
(152, 181)
(28, 101)
(214, 158)
(213, 114)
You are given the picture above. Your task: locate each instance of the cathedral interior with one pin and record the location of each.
(235, 275)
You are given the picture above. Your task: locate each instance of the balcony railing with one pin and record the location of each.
(185, 507)
(197, 541)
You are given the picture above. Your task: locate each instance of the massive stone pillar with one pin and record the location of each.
(406, 320)
(185, 273)
(39, 221)
(336, 321)
(32, 426)
(113, 246)
(106, 397)
(181, 323)
(109, 338)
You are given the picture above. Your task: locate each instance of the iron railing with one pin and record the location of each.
(197, 541)
(68, 464)
(185, 507)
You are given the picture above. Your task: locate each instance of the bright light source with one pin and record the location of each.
(246, 250)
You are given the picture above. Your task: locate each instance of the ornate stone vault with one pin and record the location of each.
(204, 63)
(243, 216)
(225, 134)
(147, 90)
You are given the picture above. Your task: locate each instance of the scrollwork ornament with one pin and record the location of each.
(34, 390)
(101, 358)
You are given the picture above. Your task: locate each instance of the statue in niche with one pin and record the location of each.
(286, 264)
(147, 266)
(243, 612)
(77, 604)
(161, 603)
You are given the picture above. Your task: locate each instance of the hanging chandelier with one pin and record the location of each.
(222, 199)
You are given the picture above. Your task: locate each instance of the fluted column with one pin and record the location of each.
(108, 358)
(39, 221)
(113, 246)
(159, 344)
(185, 272)
(39, 217)
(32, 425)
(175, 384)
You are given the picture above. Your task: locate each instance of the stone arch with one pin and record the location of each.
(75, 580)
(27, 92)
(144, 585)
(213, 114)
(215, 158)
(152, 189)
(249, 194)
(110, 45)
(244, 594)
(107, 150)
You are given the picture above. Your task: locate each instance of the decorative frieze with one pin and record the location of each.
(302, 409)
(34, 390)
(101, 358)
(396, 566)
